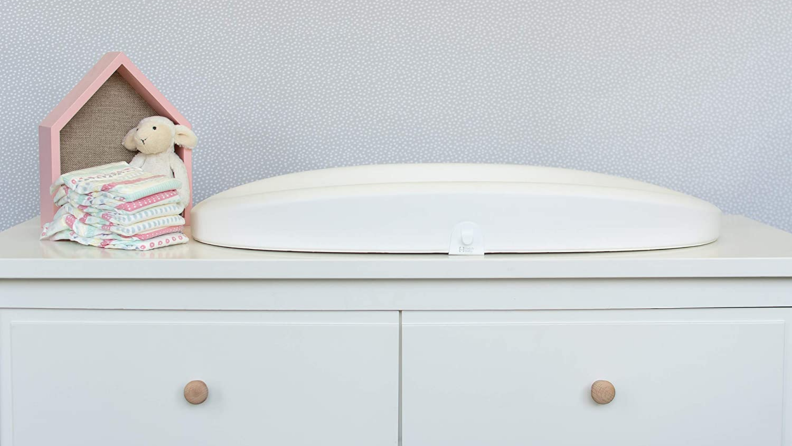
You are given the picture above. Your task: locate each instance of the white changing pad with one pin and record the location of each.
(453, 208)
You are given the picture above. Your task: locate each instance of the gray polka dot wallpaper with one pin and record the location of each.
(691, 95)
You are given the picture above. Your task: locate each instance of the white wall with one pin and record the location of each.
(691, 95)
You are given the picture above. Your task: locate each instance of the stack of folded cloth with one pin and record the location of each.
(117, 206)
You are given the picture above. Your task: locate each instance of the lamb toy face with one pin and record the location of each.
(155, 137)
(157, 134)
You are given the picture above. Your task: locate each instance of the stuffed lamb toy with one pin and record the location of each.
(154, 137)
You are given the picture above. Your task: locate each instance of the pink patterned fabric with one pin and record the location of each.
(109, 186)
(104, 175)
(157, 233)
(146, 201)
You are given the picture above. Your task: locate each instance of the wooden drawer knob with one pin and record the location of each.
(196, 392)
(602, 392)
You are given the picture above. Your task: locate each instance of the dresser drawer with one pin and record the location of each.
(703, 377)
(118, 378)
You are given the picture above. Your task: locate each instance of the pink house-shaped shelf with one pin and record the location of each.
(87, 126)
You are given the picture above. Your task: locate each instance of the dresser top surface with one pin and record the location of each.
(746, 249)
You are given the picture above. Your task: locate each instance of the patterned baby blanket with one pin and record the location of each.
(119, 180)
(117, 206)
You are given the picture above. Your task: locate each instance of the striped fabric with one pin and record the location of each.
(101, 217)
(104, 201)
(176, 238)
(119, 180)
(64, 220)
(117, 206)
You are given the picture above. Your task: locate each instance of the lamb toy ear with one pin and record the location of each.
(185, 137)
(129, 140)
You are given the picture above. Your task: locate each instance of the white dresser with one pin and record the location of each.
(97, 346)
